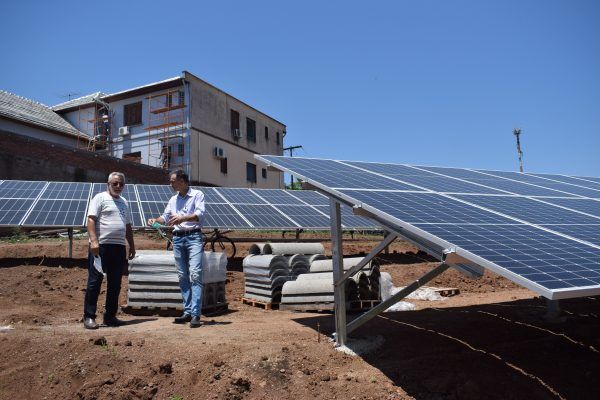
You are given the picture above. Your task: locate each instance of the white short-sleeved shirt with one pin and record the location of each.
(112, 217)
(191, 203)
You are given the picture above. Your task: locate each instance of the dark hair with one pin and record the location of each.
(180, 174)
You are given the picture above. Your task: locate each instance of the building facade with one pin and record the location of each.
(182, 122)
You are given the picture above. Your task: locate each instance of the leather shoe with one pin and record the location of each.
(113, 322)
(195, 322)
(183, 319)
(90, 323)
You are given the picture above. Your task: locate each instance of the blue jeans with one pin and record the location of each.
(188, 258)
(114, 259)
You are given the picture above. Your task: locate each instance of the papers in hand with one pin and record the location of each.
(98, 265)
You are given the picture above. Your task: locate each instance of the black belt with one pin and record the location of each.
(186, 233)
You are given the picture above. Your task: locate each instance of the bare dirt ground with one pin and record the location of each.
(489, 342)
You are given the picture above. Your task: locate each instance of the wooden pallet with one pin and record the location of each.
(211, 310)
(267, 305)
(359, 305)
(445, 292)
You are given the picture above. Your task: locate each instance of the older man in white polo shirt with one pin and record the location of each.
(185, 212)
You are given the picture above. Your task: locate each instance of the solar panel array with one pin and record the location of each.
(64, 204)
(539, 230)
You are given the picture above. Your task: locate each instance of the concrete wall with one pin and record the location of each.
(210, 116)
(37, 133)
(209, 166)
(27, 158)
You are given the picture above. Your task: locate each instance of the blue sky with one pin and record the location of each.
(420, 82)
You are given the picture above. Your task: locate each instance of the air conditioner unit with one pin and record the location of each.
(237, 134)
(218, 152)
(124, 130)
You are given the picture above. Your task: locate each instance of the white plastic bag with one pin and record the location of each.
(98, 265)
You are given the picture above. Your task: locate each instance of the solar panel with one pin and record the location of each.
(310, 197)
(155, 192)
(12, 211)
(495, 182)
(588, 178)
(305, 216)
(240, 196)
(335, 174)
(223, 215)
(570, 180)
(265, 216)
(277, 196)
(563, 188)
(210, 195)
(425, 179)
(587, 206)
(424, 207)
(550, 245)
(61, 204)
(21, 189)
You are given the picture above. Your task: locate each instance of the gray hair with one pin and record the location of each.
(119, 174)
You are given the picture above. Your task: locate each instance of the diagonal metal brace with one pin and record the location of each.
(396, 298)
(384, 243)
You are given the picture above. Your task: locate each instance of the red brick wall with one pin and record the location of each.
(26, 158)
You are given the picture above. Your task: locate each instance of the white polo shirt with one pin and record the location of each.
(112, 217)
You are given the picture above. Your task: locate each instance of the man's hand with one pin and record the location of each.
(131, 253)
(95, 248)
(176, 220)
(151, 221)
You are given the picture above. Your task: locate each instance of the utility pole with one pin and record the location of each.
(517, 133)
(291, 150)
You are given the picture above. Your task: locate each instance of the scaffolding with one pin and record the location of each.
(95, 122)
(166, 130)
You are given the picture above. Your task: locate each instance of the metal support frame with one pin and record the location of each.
(381, 307)
(70, 232)
(339, 291)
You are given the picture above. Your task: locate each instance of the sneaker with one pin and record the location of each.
(90, 323)
(183, 319)
(195, 322)
(113, 322)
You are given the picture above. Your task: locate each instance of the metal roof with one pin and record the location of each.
(31, 112)
(80, 101)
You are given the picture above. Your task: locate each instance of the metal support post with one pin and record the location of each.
(70, 232)
(339, 292)
(385, 235)
(388, 239)
(381, 307)
(552, 309)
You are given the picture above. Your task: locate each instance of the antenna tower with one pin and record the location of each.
(517, 133)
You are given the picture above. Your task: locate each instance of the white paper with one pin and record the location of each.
(98, 265)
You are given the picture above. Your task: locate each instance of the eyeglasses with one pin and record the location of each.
(121, 184)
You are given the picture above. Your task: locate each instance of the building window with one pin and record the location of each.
(251, 130)
(175, 99)
(277, 138)
(135, 156)
(251, 172)
(266, 133)
(132, 114)
(180, 150)
(165, 157)
(264, 173)
(235, 124)
(223, 165)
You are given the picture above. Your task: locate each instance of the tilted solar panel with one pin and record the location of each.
(564, 188)
(540, 243)
(61, 204)
(569, 179)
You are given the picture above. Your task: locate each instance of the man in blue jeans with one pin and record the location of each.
(185, 212)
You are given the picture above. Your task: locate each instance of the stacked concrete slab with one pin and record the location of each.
(154, 285)
(269, 266)
(313, 291)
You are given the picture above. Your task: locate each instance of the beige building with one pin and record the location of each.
(182, 122)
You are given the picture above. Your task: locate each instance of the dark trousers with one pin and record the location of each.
(113, 258)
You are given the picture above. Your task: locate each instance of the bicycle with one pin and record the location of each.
(217, 239)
